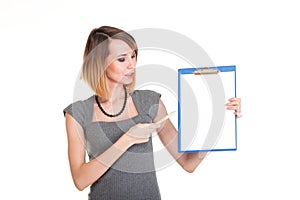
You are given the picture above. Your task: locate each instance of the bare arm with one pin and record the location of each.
(85, 173)
(169, 137)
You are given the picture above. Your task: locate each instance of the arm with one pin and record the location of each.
(85, 173)
(169, 137)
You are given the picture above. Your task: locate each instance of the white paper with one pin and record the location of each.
(194, 133)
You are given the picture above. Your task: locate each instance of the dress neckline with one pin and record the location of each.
(132, 95)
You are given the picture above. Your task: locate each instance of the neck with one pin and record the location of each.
(116, 92)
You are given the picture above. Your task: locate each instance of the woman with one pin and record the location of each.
(114, 126)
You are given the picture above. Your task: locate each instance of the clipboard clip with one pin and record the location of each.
(205, 71)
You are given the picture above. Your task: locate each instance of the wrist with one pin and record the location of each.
(124, 143)
(202, 155)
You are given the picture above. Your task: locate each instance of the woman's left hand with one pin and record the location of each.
(234, 104)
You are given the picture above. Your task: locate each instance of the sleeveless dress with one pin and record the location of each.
(133, 175)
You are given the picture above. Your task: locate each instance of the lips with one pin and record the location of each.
(129, 74)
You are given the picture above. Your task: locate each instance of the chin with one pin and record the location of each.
(126, 81)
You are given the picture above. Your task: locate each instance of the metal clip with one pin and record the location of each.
(206, 70)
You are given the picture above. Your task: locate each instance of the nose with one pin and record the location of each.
(131, 63)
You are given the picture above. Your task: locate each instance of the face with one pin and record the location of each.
(121, 62)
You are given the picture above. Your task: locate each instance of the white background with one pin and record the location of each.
(41, 47)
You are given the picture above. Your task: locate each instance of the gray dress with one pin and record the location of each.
(133, 175)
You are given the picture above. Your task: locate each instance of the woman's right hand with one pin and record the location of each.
(140, 133)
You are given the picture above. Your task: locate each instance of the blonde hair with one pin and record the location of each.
(95, 58)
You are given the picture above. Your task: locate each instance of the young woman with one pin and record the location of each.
(114, 126)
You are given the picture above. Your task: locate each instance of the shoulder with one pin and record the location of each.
(75, 106)
(147, 101)
(80, 110)
(78, 106)
(146, 94)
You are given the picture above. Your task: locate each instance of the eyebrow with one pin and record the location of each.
(124, 54)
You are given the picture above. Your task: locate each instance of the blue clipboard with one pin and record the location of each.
(204, 124)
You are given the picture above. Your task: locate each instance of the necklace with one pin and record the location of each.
(112, 115)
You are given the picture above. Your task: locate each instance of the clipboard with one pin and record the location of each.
(204, 124)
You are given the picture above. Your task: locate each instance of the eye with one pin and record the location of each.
(122, 59)
(133, 56)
